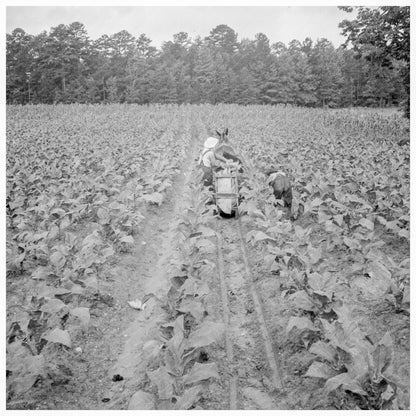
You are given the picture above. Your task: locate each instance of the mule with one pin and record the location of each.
(225, 149)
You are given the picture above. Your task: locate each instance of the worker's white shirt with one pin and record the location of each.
(208, 159)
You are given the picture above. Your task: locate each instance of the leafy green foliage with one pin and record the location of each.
(77, 192)
(118, 68)
(382, 35)
(351, 362)
(352, 179)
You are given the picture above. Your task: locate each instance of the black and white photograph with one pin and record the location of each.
(207, 206)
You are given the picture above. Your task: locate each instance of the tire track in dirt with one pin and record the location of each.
(254, 374)
(276, 376)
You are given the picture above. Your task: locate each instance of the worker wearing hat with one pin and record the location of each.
(209, 159)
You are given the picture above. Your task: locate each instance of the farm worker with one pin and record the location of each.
(282, 187)
(209, 159)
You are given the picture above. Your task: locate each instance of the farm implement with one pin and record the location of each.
(226, 191)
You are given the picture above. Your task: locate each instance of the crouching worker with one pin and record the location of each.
(282, 188)
(210, 160)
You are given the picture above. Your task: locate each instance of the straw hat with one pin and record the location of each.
(211, 142)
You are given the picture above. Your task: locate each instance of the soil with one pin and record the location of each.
(260, 369)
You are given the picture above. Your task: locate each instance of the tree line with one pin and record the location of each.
(64, 65)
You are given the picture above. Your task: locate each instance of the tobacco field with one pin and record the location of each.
(125, 289)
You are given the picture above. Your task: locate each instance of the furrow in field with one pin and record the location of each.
(257, 375)
(276, 376)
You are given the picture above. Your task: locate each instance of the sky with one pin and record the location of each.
(278, 23)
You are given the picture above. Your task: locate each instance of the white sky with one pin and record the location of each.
(278, 23)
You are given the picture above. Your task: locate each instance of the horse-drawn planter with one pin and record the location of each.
(223, 178)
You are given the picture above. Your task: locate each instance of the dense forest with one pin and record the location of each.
(65, 66)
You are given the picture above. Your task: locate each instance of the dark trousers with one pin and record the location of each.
(208, 176)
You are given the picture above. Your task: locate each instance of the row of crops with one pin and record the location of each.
(185, 366)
